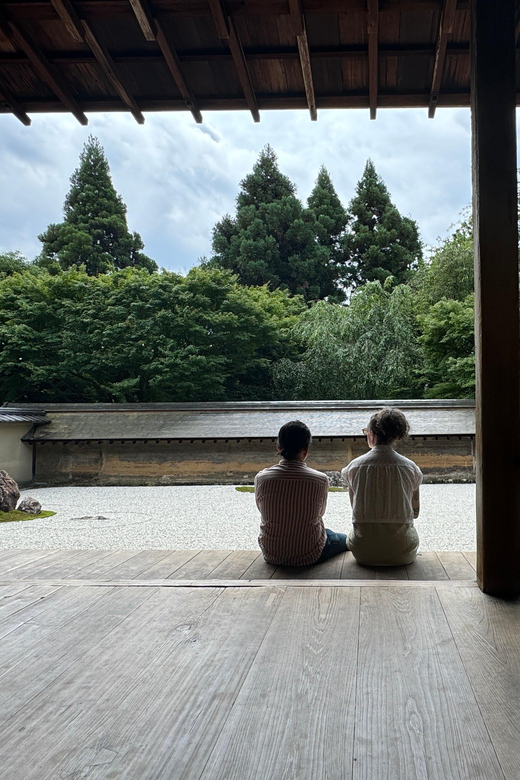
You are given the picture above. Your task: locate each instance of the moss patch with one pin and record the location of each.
(11, 517)
(250, 489)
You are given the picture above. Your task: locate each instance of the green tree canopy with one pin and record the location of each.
(379, 242)
(133, 336)
(448, 343)
(368, 349)
(271, 239)
(12, 263)
(449, 274)
(94, 232)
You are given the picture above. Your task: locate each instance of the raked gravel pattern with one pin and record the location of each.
(205, 518)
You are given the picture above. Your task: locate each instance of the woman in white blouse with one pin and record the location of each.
(384, 493)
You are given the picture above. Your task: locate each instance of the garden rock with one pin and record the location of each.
(30, 505)
(9, 493)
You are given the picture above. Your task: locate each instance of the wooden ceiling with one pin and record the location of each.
(205, 55)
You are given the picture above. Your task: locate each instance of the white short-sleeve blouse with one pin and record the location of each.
(382, 485)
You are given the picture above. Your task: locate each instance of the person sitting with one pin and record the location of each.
(384, 493)
(292, 498)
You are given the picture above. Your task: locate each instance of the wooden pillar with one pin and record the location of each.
(493, 103)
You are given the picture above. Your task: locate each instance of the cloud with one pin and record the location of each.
(179, 178)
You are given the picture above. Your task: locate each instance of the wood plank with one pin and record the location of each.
(427, 566)
(58, 565)
(486, 632)
(292, 573)
(414, 700)
(235, 565)
(352, 570)
(328, 570)
(373, 59)
(206, 647)
(20, 600)
(167, 566)
(456, 566)
(63, 648)
(299, 30)
(101, 567)
(471, 558)
(259, 570)
(295, 714)
(497, 342)
(200, 565)
(11, 559)
(37, 624)
(30, 561)
(6, 96)
(391, 572)
(138, 563)
(103, 663)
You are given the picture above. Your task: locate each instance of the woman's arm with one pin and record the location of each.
(415, 503)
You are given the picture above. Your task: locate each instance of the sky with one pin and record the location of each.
(179, 178)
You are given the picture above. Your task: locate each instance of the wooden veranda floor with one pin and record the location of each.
(164, 664)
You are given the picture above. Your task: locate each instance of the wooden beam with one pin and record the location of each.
(70, 19)
(7, 98)
(445, 30)
(107, 65)
(75, 23)
(226, 31)
(172, 60)
(42, 66)
(299, 30)
(373, 61)
(493, 98)
(153, 31)
(145, 19)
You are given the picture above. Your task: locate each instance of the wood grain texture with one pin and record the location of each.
(20, 600)
(201, 565)
(328, 570)
(416, 714)
(15, 558)
(235, 565)
(487, 631)
(179, 700)
(259, 570)
(457, 566)
(294, 716)
(471, 558)
(139, 562)
(427, 566)
(167, 566)
(99, 681)
(352, 570)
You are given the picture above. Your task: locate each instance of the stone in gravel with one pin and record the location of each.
(30, 505)
(90, 517)
(9, 493)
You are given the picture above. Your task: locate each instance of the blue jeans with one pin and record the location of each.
(335, 544)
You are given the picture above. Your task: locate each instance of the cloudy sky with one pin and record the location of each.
(178, 178)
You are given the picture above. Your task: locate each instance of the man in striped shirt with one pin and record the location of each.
(292, 499)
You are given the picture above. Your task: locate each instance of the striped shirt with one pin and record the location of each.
(292, 499)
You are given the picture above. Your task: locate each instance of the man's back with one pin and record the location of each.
(292, 499)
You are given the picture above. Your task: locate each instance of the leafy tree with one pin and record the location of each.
(448, 342)
(271, 239)
(368, 349)
(94, 232)
(380, 242)
(135, 336)
(12, 263)
(329, 220)
(449, 273)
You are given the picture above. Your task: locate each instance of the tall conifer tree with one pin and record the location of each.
(271, 239)
(94, 232)
(380, 242)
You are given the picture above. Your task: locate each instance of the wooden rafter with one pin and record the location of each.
(152, 30)
(81, 30)
(41, 65)
(445, 30)
(373, 58)
(226, 31)
(9, 100)
(299, 29)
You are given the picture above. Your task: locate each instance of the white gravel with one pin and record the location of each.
(205, 517)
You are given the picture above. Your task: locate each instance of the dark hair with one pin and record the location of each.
(389, 425)
(293, 437)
